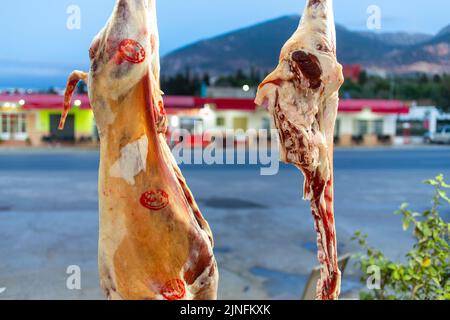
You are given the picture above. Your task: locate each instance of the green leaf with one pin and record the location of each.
(432, 271)
(443, 195)
(356, 235)
(426, 230)
(431, 182)
(406, 224)
(436, 281)
(396, 275)
(404, 206)
(366, 296)
(407, 277)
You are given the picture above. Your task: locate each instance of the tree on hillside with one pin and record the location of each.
(421, 87)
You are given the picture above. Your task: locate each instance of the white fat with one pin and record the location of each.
(319, 17)
(299, 107)
(132, 161)
(104, 116)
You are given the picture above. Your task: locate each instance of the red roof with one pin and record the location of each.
(375, 105)
(228, 103)
(44, 101)
(179, 102)
(49, 101)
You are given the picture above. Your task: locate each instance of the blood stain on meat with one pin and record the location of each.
(309, 65)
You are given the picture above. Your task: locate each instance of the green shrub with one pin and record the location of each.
(426, 273)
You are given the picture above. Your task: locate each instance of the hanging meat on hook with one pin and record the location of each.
(302, 96)
(154, 242)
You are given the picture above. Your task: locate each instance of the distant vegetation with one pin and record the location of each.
(240, 78)
(188, 84)
(184, 84)
(430, 89)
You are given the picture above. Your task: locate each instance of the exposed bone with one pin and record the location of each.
(302, 95)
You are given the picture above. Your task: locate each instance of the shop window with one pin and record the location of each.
(362, 127)
(266, 124)
(193, 125)
(416, 128)
(240, 123)
(378, 127)
(13, 125)
(5, 123)
(23, 127)
(220, 122)
(337, 128)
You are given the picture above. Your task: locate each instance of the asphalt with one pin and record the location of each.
(263, 230)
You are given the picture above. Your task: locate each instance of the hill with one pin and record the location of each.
(258, 46)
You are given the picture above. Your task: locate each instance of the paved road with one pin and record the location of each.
(263, 230)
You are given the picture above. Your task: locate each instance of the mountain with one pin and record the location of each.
(258, 46)
(398, 38)
(444, 31)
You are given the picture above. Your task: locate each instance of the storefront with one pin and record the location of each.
(34, 119)
(368, 122)
(13, 126)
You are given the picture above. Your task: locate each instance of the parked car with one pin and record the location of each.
(441, 136)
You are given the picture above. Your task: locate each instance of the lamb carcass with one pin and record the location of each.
(302, 95)
(154, 242)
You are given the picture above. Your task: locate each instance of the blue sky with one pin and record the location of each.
(35, 31)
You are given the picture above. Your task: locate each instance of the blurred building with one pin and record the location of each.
(368, 122)
(420, 122)
(352, 71)
(34, 119)
(424, 119)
